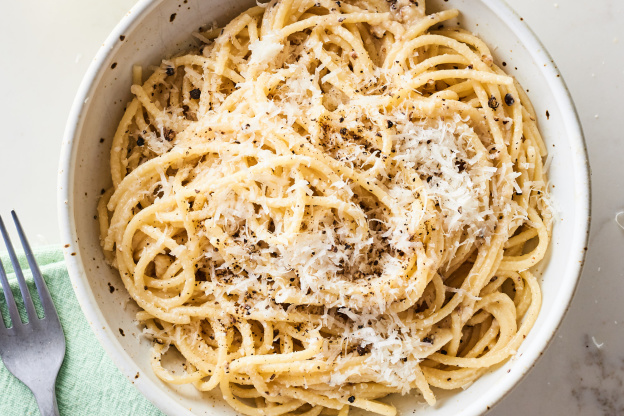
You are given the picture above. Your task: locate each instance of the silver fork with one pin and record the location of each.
(34, 351)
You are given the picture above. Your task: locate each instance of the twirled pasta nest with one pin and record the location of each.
(328, 202)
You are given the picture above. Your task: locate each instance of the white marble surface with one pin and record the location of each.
(582, 372)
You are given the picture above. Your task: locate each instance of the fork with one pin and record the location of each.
(34, 351)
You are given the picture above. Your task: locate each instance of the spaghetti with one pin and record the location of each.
(329, 202)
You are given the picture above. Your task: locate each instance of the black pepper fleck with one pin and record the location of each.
(492, 103)
(363, 350)
(169, 134)
(509, 100)
(195, 93)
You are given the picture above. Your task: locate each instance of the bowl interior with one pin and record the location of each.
(156, 30)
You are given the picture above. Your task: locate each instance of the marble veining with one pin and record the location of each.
(598, 380)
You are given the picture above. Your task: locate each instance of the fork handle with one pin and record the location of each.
(46, 400)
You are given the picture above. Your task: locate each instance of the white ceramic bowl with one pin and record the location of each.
(150, 32)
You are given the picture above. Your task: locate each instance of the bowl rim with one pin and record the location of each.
(150, 389)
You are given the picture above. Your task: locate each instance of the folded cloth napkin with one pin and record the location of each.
(88, 383)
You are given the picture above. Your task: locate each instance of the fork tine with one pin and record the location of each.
(8, 296)
(28, 303)
(42, 287)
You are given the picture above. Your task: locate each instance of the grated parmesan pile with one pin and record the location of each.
(329, 263)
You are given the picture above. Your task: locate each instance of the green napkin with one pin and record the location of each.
(88, 383)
